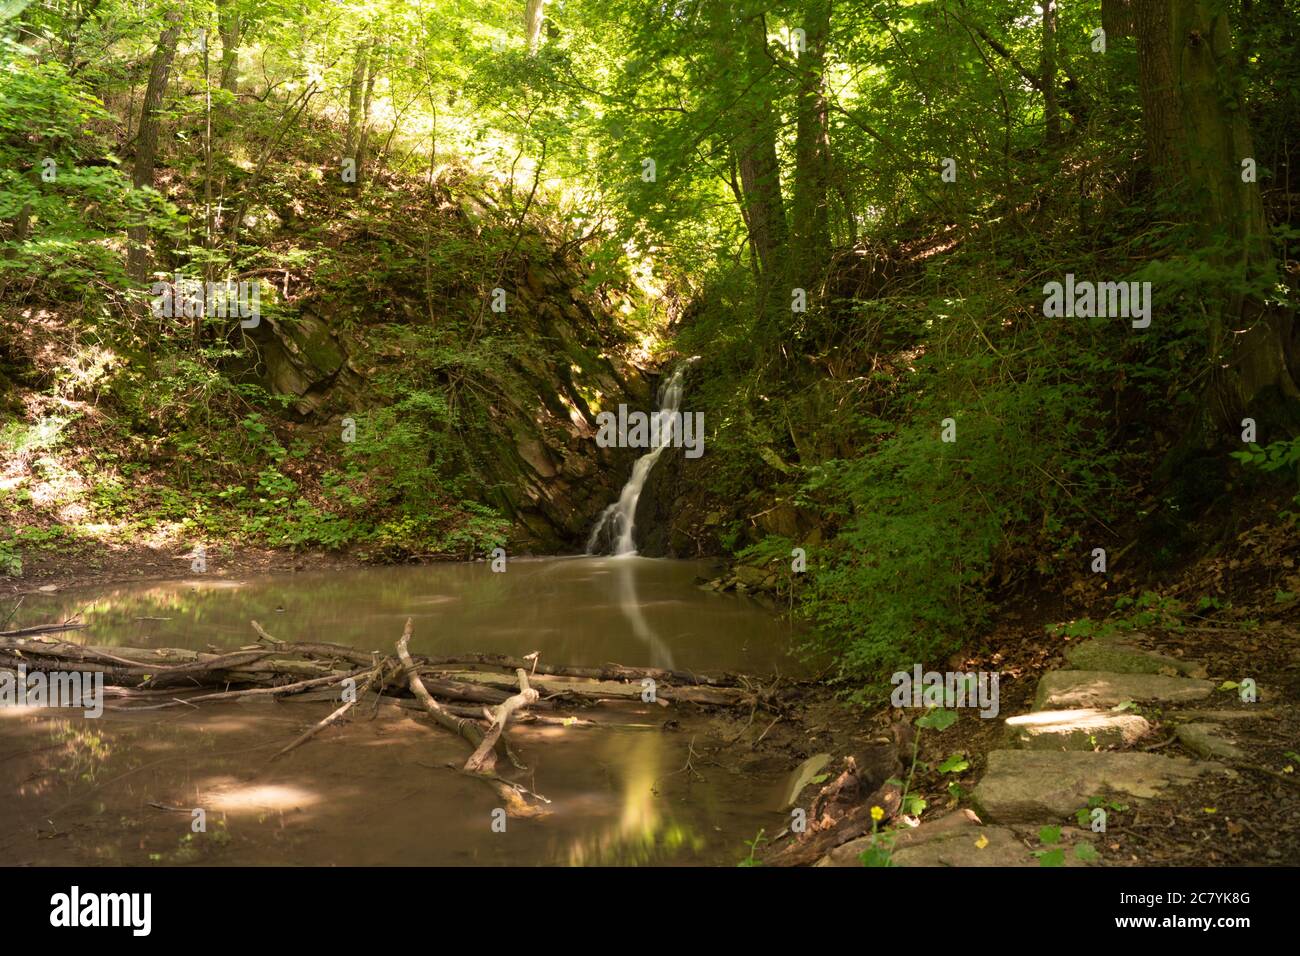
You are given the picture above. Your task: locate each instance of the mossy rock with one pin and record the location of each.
(1122, 657)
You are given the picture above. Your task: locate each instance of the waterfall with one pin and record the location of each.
(617, 520)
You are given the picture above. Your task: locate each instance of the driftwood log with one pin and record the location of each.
(842, 809)
(474, 696)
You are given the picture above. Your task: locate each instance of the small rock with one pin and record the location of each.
(1249, 713)
(802, 776)
(1208, 740)
(957, 839)
(750, 577)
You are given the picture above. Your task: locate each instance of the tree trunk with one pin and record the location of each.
(364, 138)
(760, 172)
(230, 27)
(1197, 136)
(356, 92)
(146, 144)
(810, 234)
(533, 12)
(1051, 111)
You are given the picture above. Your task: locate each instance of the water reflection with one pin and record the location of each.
(582, 610)
(109, 788)
(641, 831)
(661, 655)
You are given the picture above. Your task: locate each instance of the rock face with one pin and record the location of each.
(531, 452)
(304, 359)
(1026, 786)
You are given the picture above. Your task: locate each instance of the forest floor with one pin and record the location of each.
(1232, 612)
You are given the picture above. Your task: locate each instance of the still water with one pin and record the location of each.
(644, 788)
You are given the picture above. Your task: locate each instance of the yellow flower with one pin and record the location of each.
(877, 814)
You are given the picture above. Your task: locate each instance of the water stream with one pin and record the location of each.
(379, 790)
(616, 523)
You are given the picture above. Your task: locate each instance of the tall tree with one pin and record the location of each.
(229, 26)
(356, 96)
(755, 146)
(533, 14)
(810, 229)
(1198, 136)
(1051, 110)
(363, 140)
(146, 143)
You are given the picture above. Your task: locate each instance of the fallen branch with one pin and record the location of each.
(512, 795)
(334, 717)
(858, 822)
(484, 758)
(41, 629)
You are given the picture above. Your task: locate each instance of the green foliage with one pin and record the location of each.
(11, 561)
(1083, 816)
(926, 522)
(66, 211)
(753, 845)
(1149, 609)
(1279, 456)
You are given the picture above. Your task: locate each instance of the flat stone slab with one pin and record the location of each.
(957, 839)
(1080, 729)
(1248, 713)
(1208, 740)
(1044, 786)
(1064, 690)
(1126, 657)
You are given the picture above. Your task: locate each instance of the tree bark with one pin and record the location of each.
(810, 233)
(1197, 135)
(363, 141)
(229, 26)
(146, 144)
(760, 172)
(356, 92)
(1051, 110)
(533, 13)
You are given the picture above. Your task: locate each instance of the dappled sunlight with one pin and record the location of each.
(19, 711)
(211, 721)
(226, 795)
(1082, 718)
(642, 832)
